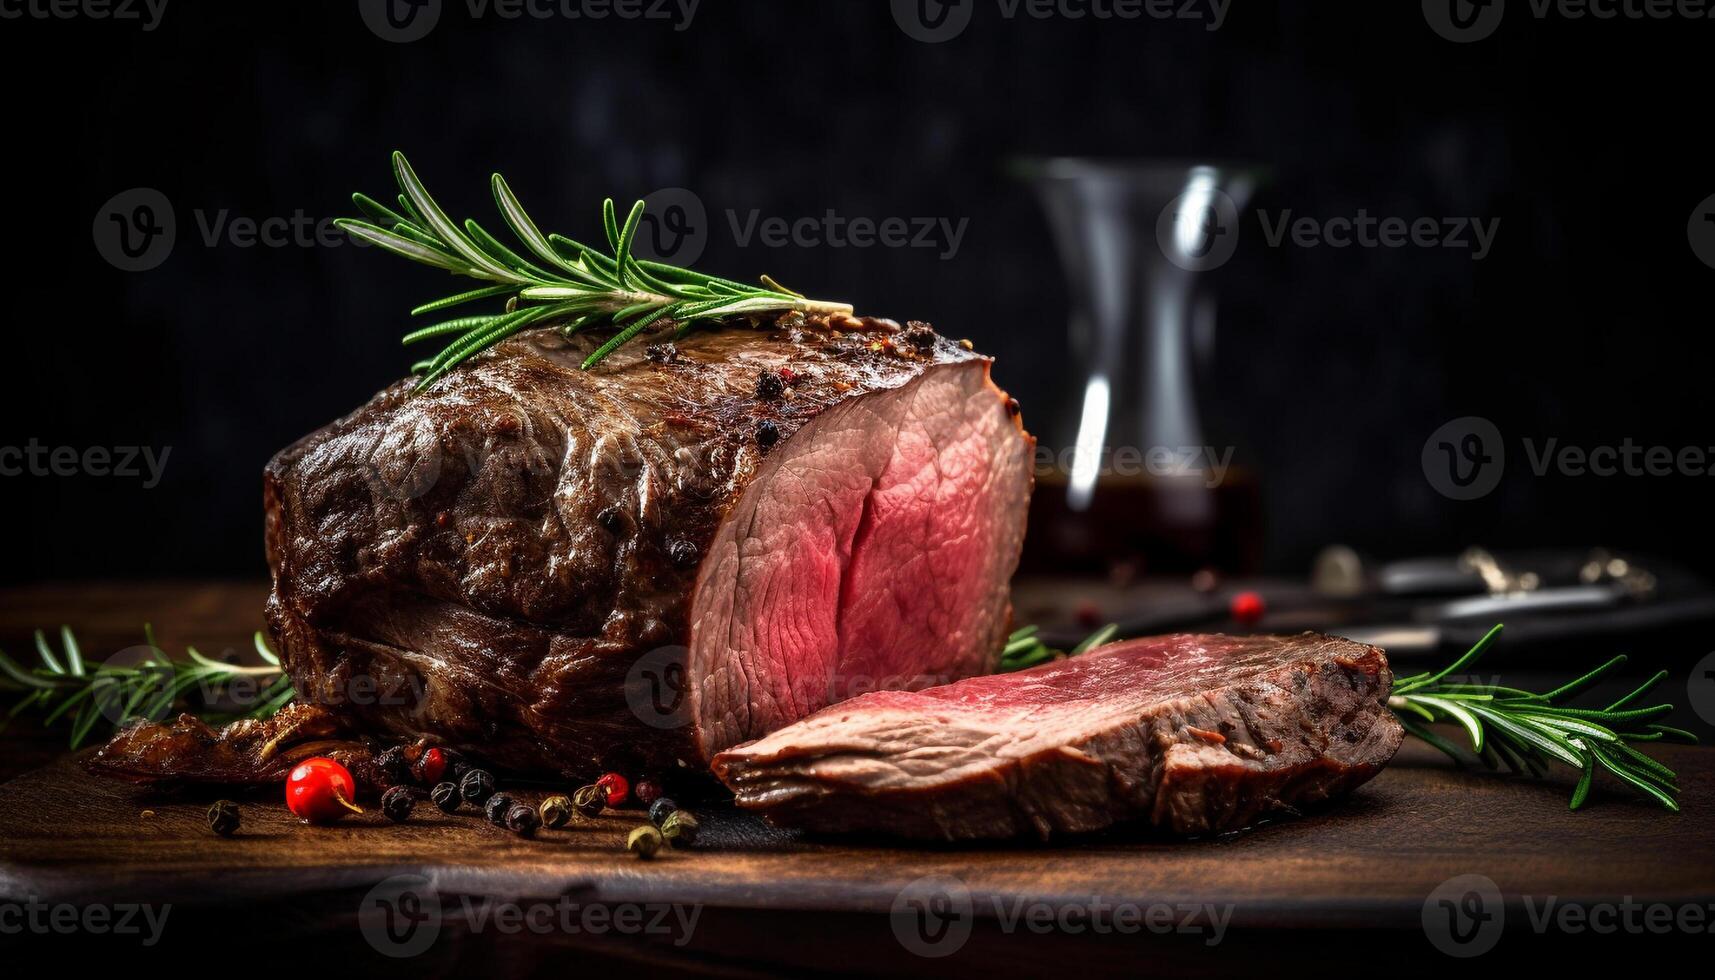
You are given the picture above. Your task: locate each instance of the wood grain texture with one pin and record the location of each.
(777, 901)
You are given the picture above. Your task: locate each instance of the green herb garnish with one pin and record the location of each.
(1507, 726)
(566, 282)
(64, 685)
(1526, 731)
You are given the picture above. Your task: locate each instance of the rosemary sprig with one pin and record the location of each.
(562, 281)
(1025, 649)
(1527, 731)
(65, 685)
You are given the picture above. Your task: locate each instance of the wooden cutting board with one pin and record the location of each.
(768, 900)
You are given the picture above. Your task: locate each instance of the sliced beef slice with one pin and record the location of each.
(643, 563)
(1194, 733)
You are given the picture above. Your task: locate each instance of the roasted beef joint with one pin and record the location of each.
(1195, 734)
(683, 548)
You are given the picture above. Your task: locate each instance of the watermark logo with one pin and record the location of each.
(933, 21)
(400, 21)
(931, 916)
(1464, 21)
(1199, 230)
(674, 227)
(1701, 689)
(1700, 230)
(657, 689)
(135, 229)
(403, 464)
(1464, 459)
(401, 916)
(1464, 916)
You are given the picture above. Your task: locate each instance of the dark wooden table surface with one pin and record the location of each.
(1361, 873)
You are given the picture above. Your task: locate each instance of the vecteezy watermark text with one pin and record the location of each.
(934, 21)
(404, 21)
(119, 919)
(125, 462)
(403, 915)
(833, 230)
(1364, 230)
(933, 915)
(146, 13)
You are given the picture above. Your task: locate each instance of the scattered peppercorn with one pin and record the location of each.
(615, 786)
(496, 807)
(1012, 406)
(1248, 608)
(446, 796)
(967, 345)
(769, 386)
(661, 353)
(477, 786)
(431, 766)
(223, 817)
(556, 811)
(589, 800)
(397, 804)
(789, 376)
(682, 552)
(767, 433)
(647, 791)
(522, 820)
(393, 765)
(659, 810)
(919, 334)
(680, 827)
(644, 842)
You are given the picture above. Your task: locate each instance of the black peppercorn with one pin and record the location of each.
(769, 386)
(1012, 406)
(661, 353)
(680, 827)
(397, 804)
(659, 810)
(496, 807)
(395, 768)
(446, 796)
(589, 800)
(522, 820)
(556, 811)
(682, 552)
(477, 786)
(767, 433)
(223, 817)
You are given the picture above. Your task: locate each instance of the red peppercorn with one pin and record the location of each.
(321, 791)
(431, 767)
(647, 791)
(1247, 608)
(1088, 614)
(615, 786)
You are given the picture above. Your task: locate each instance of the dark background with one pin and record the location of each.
(1331, 367)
